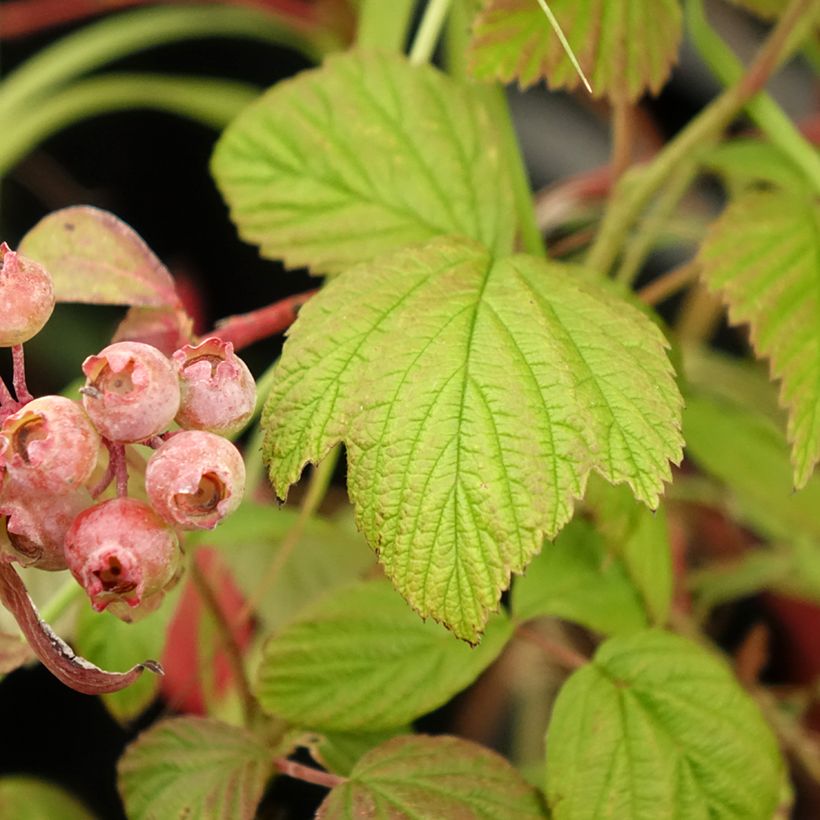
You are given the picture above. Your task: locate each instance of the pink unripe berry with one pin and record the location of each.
(131, 392)
(49, 444)
(26, 297)
(218, 390)
(120, 550)
(195, 479)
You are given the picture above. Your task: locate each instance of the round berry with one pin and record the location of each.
(218, 390)
(195, 479)
(131, 392)
(120, 550)
(50, 444)
(26, 297)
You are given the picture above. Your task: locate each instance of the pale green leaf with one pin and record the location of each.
(576, 578)
(429, 778)
(112, 644)
(340, 751)
(640, 538)
(360, 660)
(657, 727)
(28, 798)
(361, 157)
(771, 279)
(474, 397)
(625, 47)
(750, 161)
(95, 257)
(194, 768)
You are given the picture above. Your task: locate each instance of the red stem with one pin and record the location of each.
(116, 455)
(247, 328)
(19, 375)
(308, 773)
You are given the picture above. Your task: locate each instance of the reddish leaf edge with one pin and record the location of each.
(53, 652)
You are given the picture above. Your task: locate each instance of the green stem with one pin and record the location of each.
(429, 31)
(764, 111)
(124, 34)
(457, 39)
(69, 593)
(638, 186)
(209, 101)
(384, 25)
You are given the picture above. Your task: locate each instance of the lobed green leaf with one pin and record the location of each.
(474, 397)
(656, 727)
(360, 157)
(428, 778)
(360, 661)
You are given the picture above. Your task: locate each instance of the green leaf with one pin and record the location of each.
(625, 47)
(28, 798)
(94, 257)
(656, 727)
(363, 156)
(112, 644)
(577, 579)
(339, 751)
(360, 660)
(748, 161)
(639, 538)
(474, 397)
(428, 778)
(194, 768)
(772, 281)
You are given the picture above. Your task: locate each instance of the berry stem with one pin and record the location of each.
(308, 774)
(19, 375)
(246, 328)
(117, 468)
(6, 399)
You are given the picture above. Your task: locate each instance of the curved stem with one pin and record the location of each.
(638, 186)
(212, 102)
(669, 283)
(308, 774)
(19, 375)
(429, 31)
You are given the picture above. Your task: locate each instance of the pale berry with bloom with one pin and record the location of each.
(131, 391)
(195, 479)
(26, 297)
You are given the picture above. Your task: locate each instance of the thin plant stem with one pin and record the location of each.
(563, 655)
(429, 31)
(250, 708)
(699, 316)
(623, 121)
(669, 283)
(21, 390)
(565, 43)
(118, 464)
(637, 187)
(308, 774)
(6, 399)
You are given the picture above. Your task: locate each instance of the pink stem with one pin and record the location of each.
(308, 773)
(6, 399)
(117, 457)
(19, 375)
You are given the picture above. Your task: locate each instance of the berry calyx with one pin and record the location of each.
(49, 444)
(218, 390)
(26, 297)
(121, 551)
(131, 392)
(195, 479)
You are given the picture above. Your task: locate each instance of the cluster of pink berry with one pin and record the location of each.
(124, 551)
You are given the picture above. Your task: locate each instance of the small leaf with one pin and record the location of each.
(111, 643)
(474, 397)
(360, 660)
(429, 778)
(28, 798)
(656, 727)
(625, 47)
(577, 579)
(772, 281)
(363, 156)
(194, 768)
(339, 752)
(94, 257)
(744, 162)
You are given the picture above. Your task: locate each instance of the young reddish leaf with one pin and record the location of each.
(195, 768)
(772, 281)
(429, 778)
(14, 652)
(166, 328)
(53, 652)
(94, 257)
(625, 47)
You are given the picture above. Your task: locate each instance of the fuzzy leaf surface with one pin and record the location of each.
(577, 579)
(96, 258)
(625, 47)
(361, 661)
(474, 397)
(195, 768)
(771, 280)
(655, 727)
(361, 157)
(427, 778)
